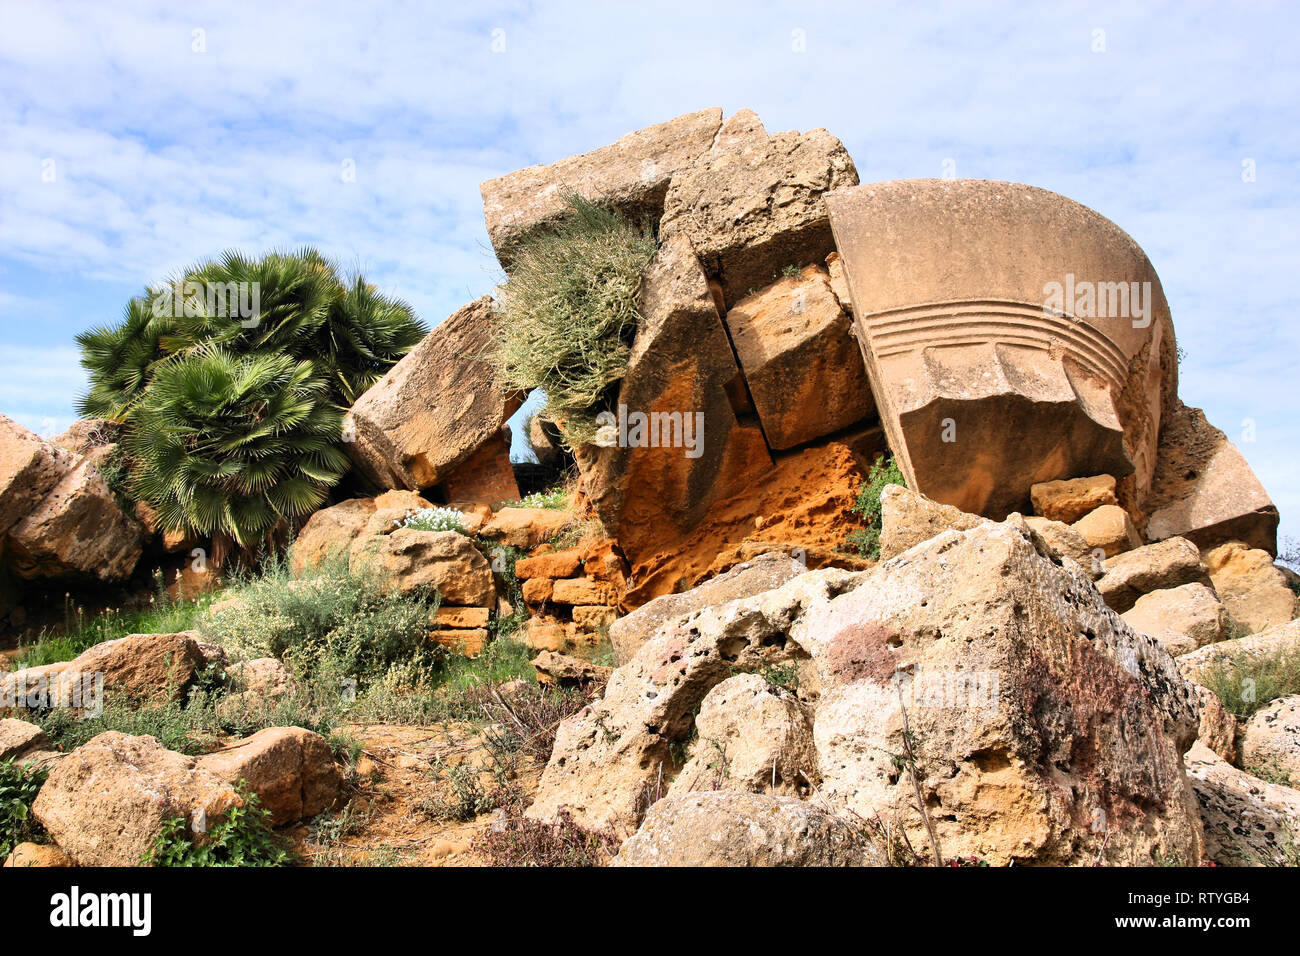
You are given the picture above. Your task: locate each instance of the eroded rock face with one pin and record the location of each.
(1271, 744)
(106, 802)
(630, 175)
(907, 519)
(801, 361)
(290, 769)
(77, 529)
(1204, 490)
(29, 470)
(753, 736)
(726, 828)
(1248, 822)
(681, 363)
(434, 408)
(753, 204)
(984, 389)
(763, 573)
(1255, 591)
(443, 560)
(1004, 660)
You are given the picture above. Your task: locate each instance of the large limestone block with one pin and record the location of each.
(1067, 500)
(140, 667)
(1248, 822)
(434, 408)
(106, 802)
(1181, 619)
(1204, 490)
(742, 829)
(1109, 530)
(29, 470)
(1046, 730)
(907, 519)
(993, 369)
(681, 363)
(1281, 641)
(78, 529)
(753, 736)
(1254, 589)
(801, 361)
(763, 573)
(329, 533)
(753, 204)
(630, 175)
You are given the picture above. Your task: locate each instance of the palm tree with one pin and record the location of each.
(233, 421)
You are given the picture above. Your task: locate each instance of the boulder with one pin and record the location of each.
(462, 617)
(727, 828)
(681, 365)
(1255, 591)
(443, 560)
(752, 736)
(329, 533)
(290, 769)
(18, 737)
(557, 564)
(1108, 529)
(1247, 821)
(1271, 743)
(1045, 729)
(34, 854)
(92, 438)
(630, 633)
(753, 203)
(1153, 567)
(1282, 640)
(1003, 345)
(907, 519)
(1067, 500)
(800, 359)
(434, 408)
(139, 668)
(1204, 490)
(1218, 728)
(1063, 541)
(78, 529)
(580, 591)
(1181, 619)
(29, 470)
(106, 802)
(594, 617)
(561, 670)
(526, 528)
(630, 175)
(467, 642)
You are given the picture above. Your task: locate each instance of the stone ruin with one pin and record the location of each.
(990, 335)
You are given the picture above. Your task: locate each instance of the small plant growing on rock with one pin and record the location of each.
(569, 312)
(19, 785)
(1248, 682)
(242, 836)
(884, 471)
(435, 519)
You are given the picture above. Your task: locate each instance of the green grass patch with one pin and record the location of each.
(1246, 683)
(884, 471)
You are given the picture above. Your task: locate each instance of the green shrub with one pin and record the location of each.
(233, 425)
(1247, 683)
(19, 785)
(569, 312)
(554, 499)
(882, 472)
(435, 519)
(242, 836)
(337, 623)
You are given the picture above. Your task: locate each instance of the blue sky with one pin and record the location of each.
(175, 131)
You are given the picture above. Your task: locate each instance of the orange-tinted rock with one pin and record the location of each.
(290, 769)
(801, 361)
(29, 470)
(580, 591)
(1067, 500)
(329, 533)
(468, 642)
(434, 408)
(1204, 490)
(1108, 529)
(486, 476)
(537, 590)
(1004, 345)
(526, 528)
(559, 564)
(444, 561)
(461, 617)
(681, 364)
